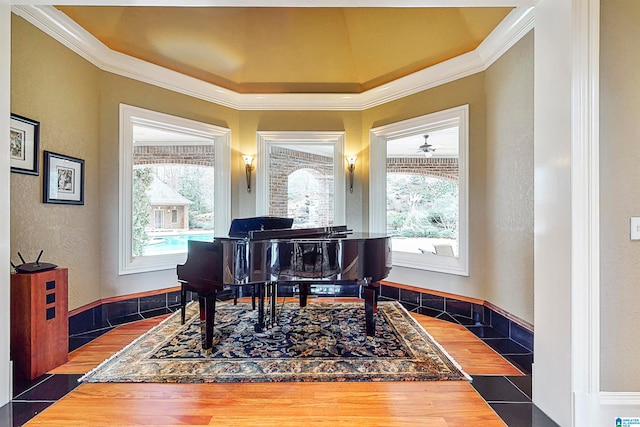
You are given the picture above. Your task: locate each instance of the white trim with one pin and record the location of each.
(378, 185)
(620, 398)
(265, 139)
(607, 406)
(129, 116)
(512, 28)
(56, 24)
(289, 3)
(585, 189)
(6, 367)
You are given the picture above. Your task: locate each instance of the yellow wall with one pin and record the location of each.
(101, 94)
(113, 91)
(349, 122)
(470, 91)
(6, 380)
(509, 180)
(56, 87)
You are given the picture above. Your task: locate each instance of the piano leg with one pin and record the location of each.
(370, 308)
(304, 288)
(274, 301)
(253, 296)
(266, 289)
(260, 323)
(207, 316)
(183, 301)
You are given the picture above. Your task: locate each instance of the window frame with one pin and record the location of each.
(378, 138)
(265, 139)
(221, 137)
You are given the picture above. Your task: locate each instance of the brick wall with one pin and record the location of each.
(443, 168)
(283, 162)
(200, 155)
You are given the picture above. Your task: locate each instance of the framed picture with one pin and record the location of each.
(63, 179)
(24, 145)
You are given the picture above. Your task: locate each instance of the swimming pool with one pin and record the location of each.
(173, 243)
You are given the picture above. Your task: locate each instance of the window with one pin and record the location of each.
(303, 177)
(158, 224)
(171, 168)
(420, 198)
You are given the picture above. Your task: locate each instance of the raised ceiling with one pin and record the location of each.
(263, 50)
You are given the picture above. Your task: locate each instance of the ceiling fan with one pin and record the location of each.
(426, 148)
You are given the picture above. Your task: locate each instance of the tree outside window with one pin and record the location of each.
(422, 182)
(422, 207)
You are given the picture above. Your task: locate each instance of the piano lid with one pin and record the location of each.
(330, 231)
(240, 227)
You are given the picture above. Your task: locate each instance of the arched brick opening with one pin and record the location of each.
(282, 163)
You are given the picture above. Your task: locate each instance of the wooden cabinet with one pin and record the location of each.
(39, 321)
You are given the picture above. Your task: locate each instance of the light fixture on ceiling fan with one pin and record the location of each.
(426, 148)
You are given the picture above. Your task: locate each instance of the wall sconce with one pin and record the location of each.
(248, 167)
(351, 166)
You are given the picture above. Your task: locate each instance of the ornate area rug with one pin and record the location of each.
(324, 341)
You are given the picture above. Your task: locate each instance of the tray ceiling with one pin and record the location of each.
(280, 50)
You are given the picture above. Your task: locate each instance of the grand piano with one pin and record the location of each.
(263, 252)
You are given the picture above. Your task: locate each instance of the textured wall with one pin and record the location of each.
(113, 91)
(500, 179)
(347, 121)
(82, 94)
(5, 47)
(56, 87)
(619, 196)
(469, 90)
(509, 175)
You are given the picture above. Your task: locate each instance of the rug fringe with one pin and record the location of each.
(132, 343)
(453, 361)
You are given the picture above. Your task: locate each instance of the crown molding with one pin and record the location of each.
(508, 32)
(59, 26)
(285, 3)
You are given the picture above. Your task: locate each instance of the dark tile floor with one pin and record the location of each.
(32, 397)
(78, 340)
(510, 397)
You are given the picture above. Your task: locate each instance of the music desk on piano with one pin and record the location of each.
(264, 258)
